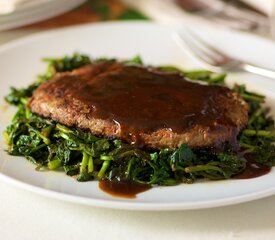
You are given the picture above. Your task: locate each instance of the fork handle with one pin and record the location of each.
(259, 70)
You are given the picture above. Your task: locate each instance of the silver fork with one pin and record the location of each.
(215, 60)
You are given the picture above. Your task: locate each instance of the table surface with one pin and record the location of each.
(25, 215)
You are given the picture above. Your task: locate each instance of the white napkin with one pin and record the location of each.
(266, 6)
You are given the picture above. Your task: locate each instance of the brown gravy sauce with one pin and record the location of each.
(129, 189)
(140, 99)
(124, 189)
(253, 169)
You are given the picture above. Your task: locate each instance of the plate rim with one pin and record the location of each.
(40, 34)
(34, 35)
(136, 206)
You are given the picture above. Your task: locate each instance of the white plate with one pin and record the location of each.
(20, 63)
(36, 12)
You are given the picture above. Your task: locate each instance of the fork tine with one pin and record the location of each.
(196, 49)
(211, 50)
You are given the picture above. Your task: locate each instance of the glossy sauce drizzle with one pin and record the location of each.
(253, 169)
(125, 189)
(140, 99)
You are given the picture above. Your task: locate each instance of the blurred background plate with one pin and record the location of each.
(41, 10)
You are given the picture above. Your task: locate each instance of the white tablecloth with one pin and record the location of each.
(25, 215)
(29, 216)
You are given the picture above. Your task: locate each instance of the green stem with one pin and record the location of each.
(201, 168)
(63, 128)
(103, 169)
(64, 135)
(254, 98)
(128, 171)
(106, 158)
(248, 146)
(45, 139)
(47, 131)
(84, 162)
(90, 164)
(255, 115)
(54, 164)
(24, 100)
(259, 133)
(27, 113)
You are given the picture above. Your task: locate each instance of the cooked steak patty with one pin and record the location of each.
(142, 106)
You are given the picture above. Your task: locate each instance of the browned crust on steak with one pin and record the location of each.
(48, 102)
